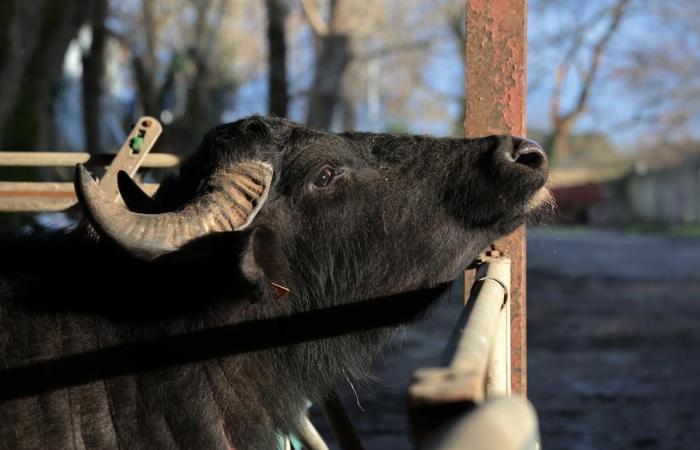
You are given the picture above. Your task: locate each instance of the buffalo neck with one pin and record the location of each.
(86, 328)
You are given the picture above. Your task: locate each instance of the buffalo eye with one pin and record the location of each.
(325, 177)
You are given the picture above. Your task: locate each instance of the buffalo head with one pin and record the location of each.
(331, 217)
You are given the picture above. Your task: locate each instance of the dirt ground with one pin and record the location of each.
(614, 346)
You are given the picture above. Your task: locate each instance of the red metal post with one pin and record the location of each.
(495, 104)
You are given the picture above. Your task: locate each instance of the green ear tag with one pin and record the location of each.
(136, 143)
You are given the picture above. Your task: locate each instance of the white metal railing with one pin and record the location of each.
(501, 423)
(472, 393)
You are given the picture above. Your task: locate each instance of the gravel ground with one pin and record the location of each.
(614, 346)
(614, 340)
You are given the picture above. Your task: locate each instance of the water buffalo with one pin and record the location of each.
(273, 267)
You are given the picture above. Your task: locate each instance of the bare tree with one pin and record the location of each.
(278, 93)
(37, 34)
(563, 120)
(332, 59)
(93, 71)
(144, 60)
(370, 60)
(201, 108)
(19, 38)
(663, 75)
(182, 62)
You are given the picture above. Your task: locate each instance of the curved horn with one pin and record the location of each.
(135, 199)
(236, 197)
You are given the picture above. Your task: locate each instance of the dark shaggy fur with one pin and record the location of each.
(404, 213)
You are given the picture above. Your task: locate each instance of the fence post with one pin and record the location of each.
(495, 104)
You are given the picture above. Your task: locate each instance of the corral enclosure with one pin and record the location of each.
(615, 108)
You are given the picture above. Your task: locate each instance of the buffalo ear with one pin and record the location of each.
(260, 265)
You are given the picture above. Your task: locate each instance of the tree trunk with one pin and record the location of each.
(144, 63)
(278, 95)
(30, 119)
(145, 87)
(93, 70)
(564, 121)
(556, 142)
(331, 62)
(18, 39)
(34, 37)
(203, 104)
(349, 115)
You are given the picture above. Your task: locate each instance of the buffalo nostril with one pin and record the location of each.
(529, 153)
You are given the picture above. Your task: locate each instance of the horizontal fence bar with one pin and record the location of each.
(472, 344)
(69, 159)
(505, 423)
(31, 196)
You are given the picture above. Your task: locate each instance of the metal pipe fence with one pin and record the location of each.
(502, 423)
(469, 352)
(446, 402)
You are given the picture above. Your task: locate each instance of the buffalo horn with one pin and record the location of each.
(233, 199)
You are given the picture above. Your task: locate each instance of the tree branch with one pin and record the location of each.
(313, 15)
(617, 14)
